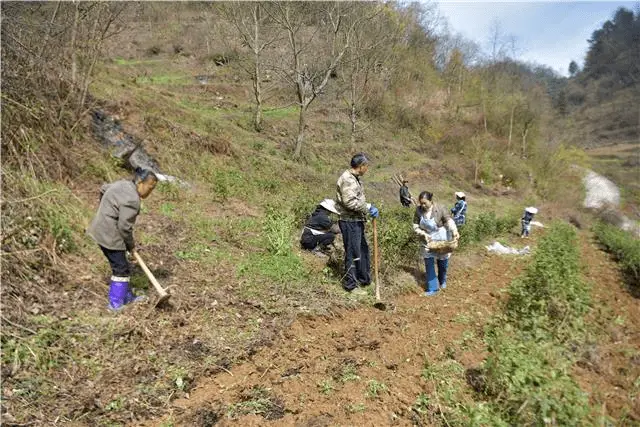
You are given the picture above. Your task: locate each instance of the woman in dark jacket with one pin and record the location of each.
(319, 230)
(112, 229)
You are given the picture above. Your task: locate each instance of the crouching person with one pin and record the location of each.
(319, 230)
(112, 229)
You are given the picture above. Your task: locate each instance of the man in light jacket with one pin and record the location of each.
(112, 229)
(354, 209)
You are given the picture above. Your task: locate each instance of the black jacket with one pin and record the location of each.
(405, 198)
(320, 220)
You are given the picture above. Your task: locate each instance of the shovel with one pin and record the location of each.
(164, 295)
(379, 304)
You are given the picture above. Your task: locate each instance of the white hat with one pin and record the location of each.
(531, 209)
(330, 205)
(460, 194)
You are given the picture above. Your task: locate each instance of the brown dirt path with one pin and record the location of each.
(609, 369)
(323, 371)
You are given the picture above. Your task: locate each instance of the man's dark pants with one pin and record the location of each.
(357, 264)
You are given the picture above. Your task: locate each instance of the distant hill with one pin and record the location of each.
(601, 102)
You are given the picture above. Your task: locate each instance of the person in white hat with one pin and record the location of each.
(319, 230)
(526, 219)
(459, 210)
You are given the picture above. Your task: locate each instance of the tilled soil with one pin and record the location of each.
(360, 367)
(364, 366)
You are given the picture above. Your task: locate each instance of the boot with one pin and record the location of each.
(443, 265)
(118, 290)
(131, 297)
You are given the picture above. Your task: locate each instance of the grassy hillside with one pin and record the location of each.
(226, 245)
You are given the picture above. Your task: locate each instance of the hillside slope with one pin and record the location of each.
(227, 244)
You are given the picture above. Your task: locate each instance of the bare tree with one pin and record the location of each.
(498, 42)
(372, 45)
(312, 63)
(479, 145)
(54, 47)
(256, 31)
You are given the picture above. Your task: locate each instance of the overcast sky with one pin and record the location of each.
(547, 32)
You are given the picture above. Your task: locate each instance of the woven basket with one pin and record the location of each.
(442, 245)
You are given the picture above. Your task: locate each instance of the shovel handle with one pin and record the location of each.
(375, 257)
(152, 278)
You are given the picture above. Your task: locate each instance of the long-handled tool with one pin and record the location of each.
(164, 295)
(379, 304)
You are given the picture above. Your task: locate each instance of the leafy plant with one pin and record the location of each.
(624, 247)
(258, 401)
(397, 239)
(528, 370)
(374, 388)
(325, 387)
(349, 373)
(278, 228)
(486, 224)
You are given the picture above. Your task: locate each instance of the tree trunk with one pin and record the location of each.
(353, 117)
(48, 34)
(74, 56)
(524, 141)
(475, 172)
(257, 90)
(510, 129)
(300, 137)
(352, 112)
(484, 118)
(484, 110)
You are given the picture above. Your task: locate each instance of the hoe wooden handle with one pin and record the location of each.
(163, 293)
(375, 258)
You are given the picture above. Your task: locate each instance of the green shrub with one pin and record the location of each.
(302, 206)
(278, 228)
(225, 183)
(527, 374)
(624, 247)
(486, 224)
(396, 237)
(551, 294)
(531, 382)
(282, 269)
